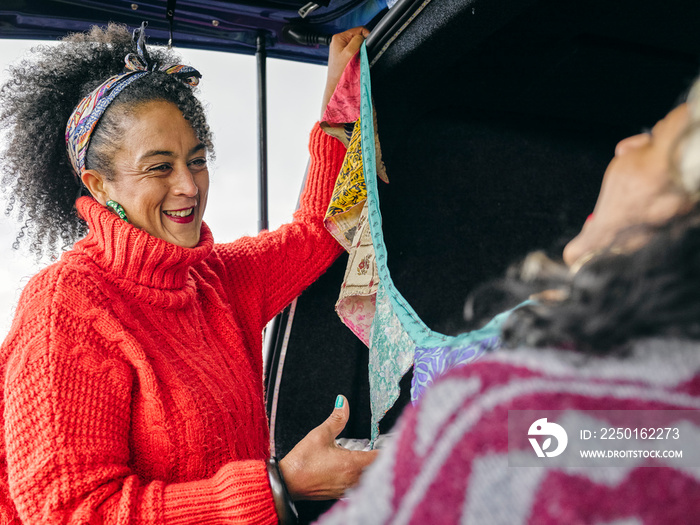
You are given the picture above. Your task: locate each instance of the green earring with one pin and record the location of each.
(118, 209)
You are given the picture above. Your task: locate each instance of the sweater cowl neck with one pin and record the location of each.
(130, 255)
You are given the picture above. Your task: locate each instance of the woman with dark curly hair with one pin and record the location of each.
(600, 383)
(132, 371)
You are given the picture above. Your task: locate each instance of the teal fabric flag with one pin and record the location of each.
(398, 337)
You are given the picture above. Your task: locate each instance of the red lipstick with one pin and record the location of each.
(180, 220)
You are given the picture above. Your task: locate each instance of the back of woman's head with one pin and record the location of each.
(35, 105)
(620, 294)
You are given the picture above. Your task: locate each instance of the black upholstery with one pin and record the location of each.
(497, 120)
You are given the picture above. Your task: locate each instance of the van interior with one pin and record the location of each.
(497, 119)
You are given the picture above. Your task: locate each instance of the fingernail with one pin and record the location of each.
(339, 402)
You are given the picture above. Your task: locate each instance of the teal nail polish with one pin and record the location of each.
(339, 402)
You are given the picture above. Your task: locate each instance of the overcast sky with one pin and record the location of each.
(228, 89)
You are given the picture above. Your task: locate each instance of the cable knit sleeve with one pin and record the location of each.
(270, 270)
(70, 397)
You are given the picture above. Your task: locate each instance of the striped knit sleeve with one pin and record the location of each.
(270, 270)
(452, 461)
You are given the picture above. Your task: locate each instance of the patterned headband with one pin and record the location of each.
(87, 113)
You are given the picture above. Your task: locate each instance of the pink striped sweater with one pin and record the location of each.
(450, 460)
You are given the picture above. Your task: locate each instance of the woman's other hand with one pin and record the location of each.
(317, 468)
(343, 47)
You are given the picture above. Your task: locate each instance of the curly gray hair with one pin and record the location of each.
(35, 104)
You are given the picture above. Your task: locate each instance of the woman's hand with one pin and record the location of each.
(317, 468)
(343, 47)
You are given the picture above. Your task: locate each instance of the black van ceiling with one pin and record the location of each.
(647, 49)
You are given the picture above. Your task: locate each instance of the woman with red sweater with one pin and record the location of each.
(132, 372)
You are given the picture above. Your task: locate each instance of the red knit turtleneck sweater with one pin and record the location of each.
(133, 370)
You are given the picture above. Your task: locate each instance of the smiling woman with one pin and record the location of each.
(232, 208)
(146, 321)
(161, 179)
